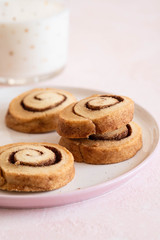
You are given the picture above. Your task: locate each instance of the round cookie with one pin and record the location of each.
(36, 111)
(114, 147)
(34, 167)
(95, 115)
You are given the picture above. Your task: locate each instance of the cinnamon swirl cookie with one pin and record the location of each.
(36, 111)
(32, 167)
(112, 147)
(95, 115)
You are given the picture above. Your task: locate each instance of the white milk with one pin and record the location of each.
(33, 38)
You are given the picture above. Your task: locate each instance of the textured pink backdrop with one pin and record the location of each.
(114, 46)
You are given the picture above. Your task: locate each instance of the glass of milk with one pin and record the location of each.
(33, 40)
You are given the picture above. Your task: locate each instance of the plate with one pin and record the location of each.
(90, 180)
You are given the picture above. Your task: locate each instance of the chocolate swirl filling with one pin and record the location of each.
(116, 135)
(38, 99)
(45, 162)
(103, 101)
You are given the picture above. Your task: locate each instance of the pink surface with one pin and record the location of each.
(114, 46)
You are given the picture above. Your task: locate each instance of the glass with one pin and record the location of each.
(33, 40)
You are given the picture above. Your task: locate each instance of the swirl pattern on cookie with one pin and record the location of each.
(115, 135)
(35, 156)
(35, 167)
(103, 101)
(108, 148)
(37, 110)
(42, 101)
(95, 115)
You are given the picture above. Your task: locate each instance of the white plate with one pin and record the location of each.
(90, 180)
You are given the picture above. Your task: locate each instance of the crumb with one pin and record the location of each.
(17, 163)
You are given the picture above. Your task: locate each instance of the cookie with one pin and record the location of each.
(36, 111)
(34, 167)
(95, 115)
(112, 147)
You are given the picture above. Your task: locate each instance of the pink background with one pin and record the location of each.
(114, 46)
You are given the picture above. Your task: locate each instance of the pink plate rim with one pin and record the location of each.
(38, 200)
